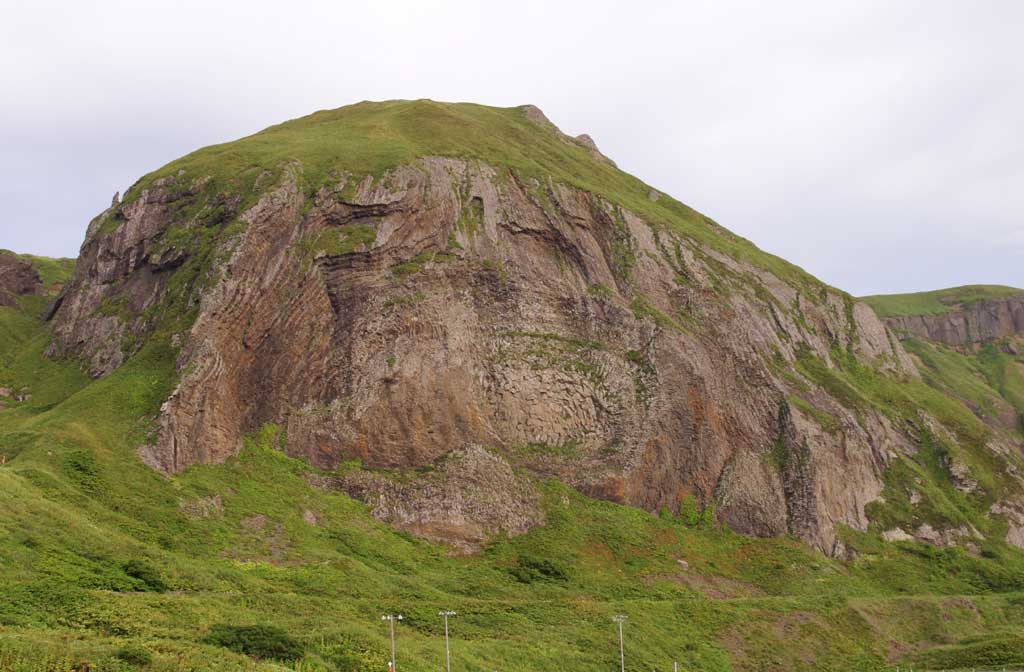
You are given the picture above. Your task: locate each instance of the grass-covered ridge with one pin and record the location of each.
(937, 302)
(370, 138)
(105, 562)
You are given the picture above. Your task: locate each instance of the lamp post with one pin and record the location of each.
(445, 613)
(391, 618)
(620, 619)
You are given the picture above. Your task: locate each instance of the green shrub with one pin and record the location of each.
(81, 469)
(983, 652)
(258, 641)
(531, 568)
(133, 654)
(146, 574)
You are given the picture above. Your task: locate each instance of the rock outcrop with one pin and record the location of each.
(470, 494)
(975, 323)
(17, 278)
(407, 319)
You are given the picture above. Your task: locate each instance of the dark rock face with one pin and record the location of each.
(122, 271)
(448, 305)
(976, 323)
(17, 278)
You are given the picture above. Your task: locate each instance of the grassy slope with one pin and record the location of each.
(937, 302)
(987, 378)
(81, 515)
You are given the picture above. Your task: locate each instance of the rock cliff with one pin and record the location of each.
(17, 278)
(484, 318)
(967, 325)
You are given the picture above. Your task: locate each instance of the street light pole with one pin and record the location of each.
(619, 618)
(391, 618)
(447, 654)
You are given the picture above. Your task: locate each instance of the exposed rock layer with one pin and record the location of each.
(471, 494)
(967, 325)
(17, 278)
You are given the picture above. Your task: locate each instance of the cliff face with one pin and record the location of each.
(975, 323)
(458, 314)
(17, 278)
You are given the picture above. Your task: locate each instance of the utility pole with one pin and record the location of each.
(391, 618)
(447, 654)
(619, 618)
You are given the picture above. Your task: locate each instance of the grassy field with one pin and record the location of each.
(936, 302)
(105, 563)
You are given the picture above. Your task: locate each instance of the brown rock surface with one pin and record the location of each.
(470, 495)
(461, 306)
(17, 278)
(977, 322)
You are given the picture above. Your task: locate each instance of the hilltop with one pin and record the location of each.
(938, 302)
(412, 355)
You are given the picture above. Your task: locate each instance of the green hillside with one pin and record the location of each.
(989, 378)
(105, 561)
(986, 380)
(936, 302)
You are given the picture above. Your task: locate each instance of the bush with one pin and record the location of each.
(134, 654)
(81, 469)
(531, 568)
(258, 641)
(148, 575)
(986, 652)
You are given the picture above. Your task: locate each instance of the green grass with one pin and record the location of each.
(988, 380)
(936, 302)
(1005, 374)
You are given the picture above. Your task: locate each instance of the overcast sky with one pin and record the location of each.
(877, 144)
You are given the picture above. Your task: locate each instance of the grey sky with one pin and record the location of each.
(876, 144)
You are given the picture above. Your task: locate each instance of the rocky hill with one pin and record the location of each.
(961, 316)
(17, 278)
(558, 312)
(512, 354)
